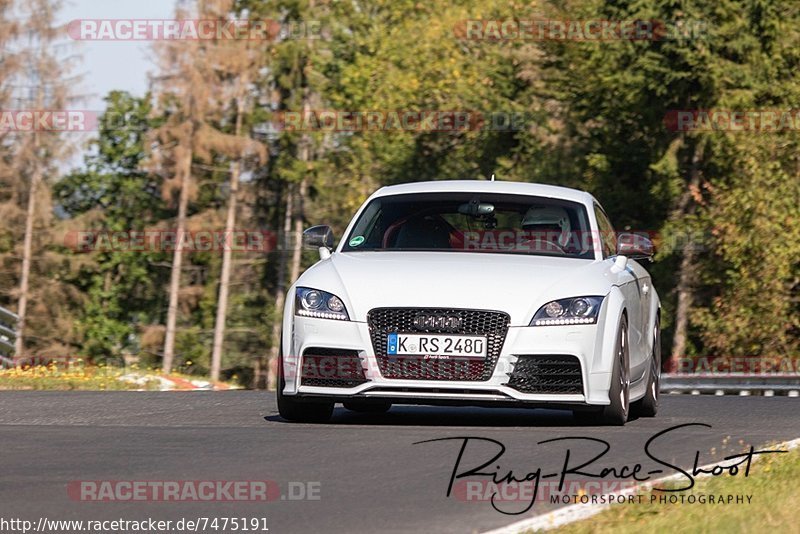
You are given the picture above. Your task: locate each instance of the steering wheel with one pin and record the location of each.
(549, 246)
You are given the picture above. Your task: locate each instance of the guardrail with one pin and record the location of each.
(766, 384)
(8, 335)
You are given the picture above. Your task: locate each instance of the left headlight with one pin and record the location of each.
(321, 304)
(576, 310)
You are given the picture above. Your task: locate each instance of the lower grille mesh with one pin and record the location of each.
(547, 374)
(384, 321)
(333, 368)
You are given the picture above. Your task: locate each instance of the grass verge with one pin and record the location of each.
(72, 377)
(80, 376)
(773, 507)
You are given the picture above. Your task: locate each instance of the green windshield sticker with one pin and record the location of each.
(357, 240)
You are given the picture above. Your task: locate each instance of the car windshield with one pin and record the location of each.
(473, 222)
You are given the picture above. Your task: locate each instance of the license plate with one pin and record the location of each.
(436, 345)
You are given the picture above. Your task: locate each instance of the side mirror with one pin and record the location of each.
(634, 246)
(318, 237)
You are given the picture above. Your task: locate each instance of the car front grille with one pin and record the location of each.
(384, 321)
(332, 368)
(550, 374)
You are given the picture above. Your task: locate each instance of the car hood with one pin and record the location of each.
(515, 284)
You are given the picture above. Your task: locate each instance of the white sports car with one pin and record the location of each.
(473, 293)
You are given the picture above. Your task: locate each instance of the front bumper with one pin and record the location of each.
(582, 342)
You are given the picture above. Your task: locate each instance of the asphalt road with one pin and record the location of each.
(369, 474)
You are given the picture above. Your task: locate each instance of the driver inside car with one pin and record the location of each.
(546, 228)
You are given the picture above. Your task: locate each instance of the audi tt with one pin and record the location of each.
(473, 293)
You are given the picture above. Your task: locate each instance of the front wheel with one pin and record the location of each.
(301, 412)
(616, 413)
(648, 405)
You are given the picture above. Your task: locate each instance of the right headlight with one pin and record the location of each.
(576, 310)
(321, 304)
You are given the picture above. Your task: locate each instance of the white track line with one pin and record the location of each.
(577, 512)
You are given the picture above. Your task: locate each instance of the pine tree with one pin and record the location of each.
(240, 62)
(43, 84)
(191, 73)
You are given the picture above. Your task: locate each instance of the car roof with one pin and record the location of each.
(486, 186)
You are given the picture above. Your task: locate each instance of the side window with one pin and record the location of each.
(369, 226)
(608, 238)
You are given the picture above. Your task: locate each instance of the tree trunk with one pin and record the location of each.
(177, 263)
(304, 156)
(27, 251)
(297, 238)
(30, 218)
(686, 274)
(294, 239)
(280, 291)
(225, 275)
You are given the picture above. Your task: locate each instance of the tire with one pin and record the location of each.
(366, 406)
(648, 405)
(617, 412)
(300, 412)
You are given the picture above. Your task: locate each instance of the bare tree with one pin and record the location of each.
(183, 94)
(686, 273)
(188, 90)
(280, 287)
(227, 254)
(296, 194)
(43, 85)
